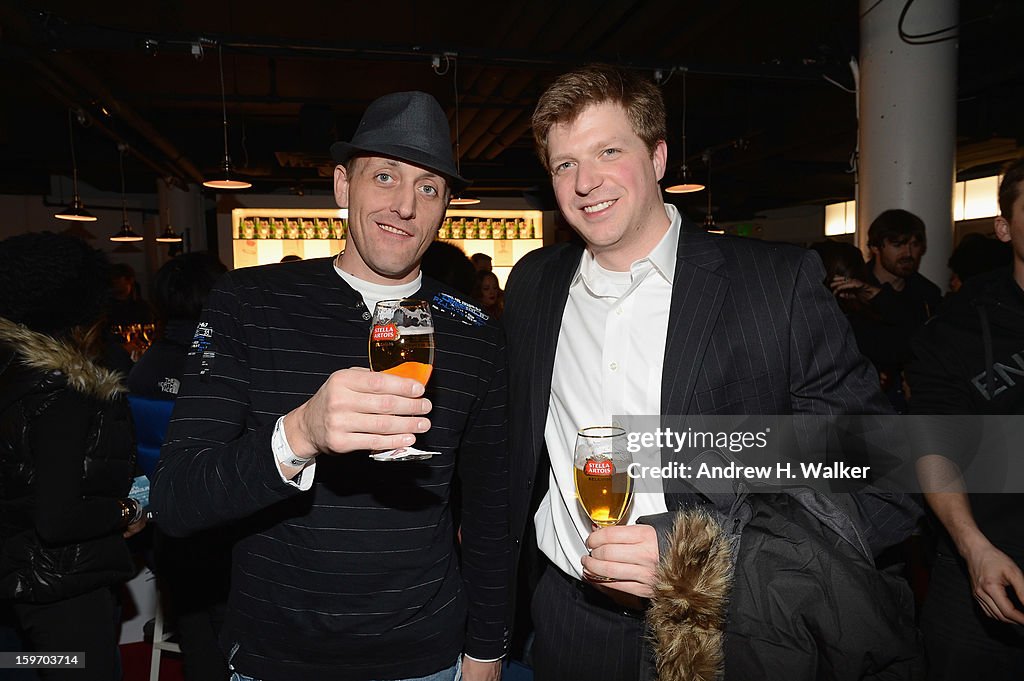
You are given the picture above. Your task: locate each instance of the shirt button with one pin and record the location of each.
(618, 311)
(366, 316)
(614, 366)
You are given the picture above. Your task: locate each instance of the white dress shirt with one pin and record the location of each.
(608, 362)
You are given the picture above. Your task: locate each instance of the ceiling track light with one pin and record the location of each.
(685, 184)
(75, 210)
(126, 233)
(227, 182)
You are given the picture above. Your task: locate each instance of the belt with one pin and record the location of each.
(596, 596)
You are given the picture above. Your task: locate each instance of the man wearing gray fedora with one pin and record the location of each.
(345, 568)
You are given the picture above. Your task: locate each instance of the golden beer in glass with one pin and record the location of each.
(402, 339)
(603, 487)
(402, 343)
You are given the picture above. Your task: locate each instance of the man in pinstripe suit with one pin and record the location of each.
(655, 317)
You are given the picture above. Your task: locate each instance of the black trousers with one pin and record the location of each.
(961, 641)
(86, 623)
(582, 635)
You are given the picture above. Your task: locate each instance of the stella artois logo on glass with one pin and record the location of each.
(402, 343)
(603, 488)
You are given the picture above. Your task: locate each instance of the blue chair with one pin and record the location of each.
(151, 417)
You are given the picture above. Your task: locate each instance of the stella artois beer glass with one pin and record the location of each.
(603, 487)
(402, 343)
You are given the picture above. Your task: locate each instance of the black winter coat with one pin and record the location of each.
(67, 455)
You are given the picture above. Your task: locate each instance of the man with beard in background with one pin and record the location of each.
(902, 298)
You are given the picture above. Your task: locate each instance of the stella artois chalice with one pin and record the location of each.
(402, 343)
(603, 487)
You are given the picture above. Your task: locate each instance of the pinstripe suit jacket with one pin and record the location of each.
(751, 330)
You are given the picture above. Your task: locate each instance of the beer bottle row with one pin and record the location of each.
(337, 228)
(291, 228)
(489, 228)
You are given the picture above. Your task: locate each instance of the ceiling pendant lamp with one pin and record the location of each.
(709, 218)
(126, 233)
(169, 236)
(227, 182)
(75, 211)
(462, 198)
(685, 185)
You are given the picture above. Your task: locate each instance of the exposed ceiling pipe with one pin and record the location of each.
(624, 26)
(61, 91)
(614, 16)
(61, 66)
(94, 85)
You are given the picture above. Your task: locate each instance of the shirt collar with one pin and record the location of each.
(662, 257)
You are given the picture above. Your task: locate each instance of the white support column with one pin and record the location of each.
(908, 119)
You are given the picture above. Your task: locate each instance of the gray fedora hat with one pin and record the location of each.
(405, 126)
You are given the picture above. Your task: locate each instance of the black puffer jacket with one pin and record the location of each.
(67, 455)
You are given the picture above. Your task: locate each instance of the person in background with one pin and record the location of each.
(488, 293)
(974, 255)
(194, 572)
(180, 289)
(127, 305)
(967, 361)
(346, 567)
(899, 296)
(881, 343)
(481, 261)
(67, 456)
(448, 264)
(655, 316)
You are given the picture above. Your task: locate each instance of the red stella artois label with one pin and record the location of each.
(385, 332)
(599, 469)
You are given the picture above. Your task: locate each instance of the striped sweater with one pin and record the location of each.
(361, 577)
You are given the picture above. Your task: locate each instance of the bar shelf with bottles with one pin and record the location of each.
(504, 235)
(265, 235)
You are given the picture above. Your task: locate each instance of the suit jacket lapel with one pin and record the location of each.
(553, 293)
(698, 292)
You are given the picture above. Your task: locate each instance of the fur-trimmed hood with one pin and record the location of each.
(47, 354)
(689, 610)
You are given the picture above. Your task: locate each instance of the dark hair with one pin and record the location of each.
(896, 225)
(181, 285)
(52, 283)
(841, 259)
(977, 254)
(479, 283)
(449, 265)
(1011, 187)
(122, 270)
(572, 92)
